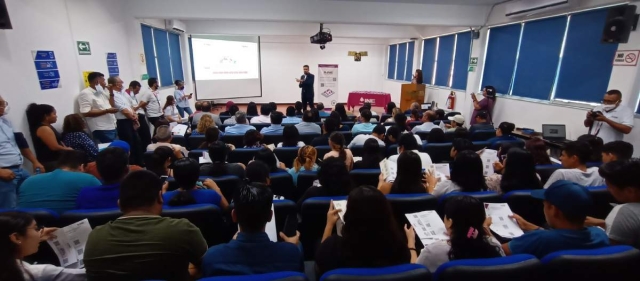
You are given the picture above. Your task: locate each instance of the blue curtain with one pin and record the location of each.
(391, 69)
(445, 58)
(428, 59)
(539, 56)
(408, 75)
(501, 57)
(176, 56)
(164, 61)
(461, 64)
(402, 59)
(587, 63)
(149, 54)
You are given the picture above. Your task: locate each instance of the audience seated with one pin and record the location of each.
(316, 115)
(162, 158)
(376, 134)
(407, 142)
(186, 174)
(265, 110)
(466, 176)
(566, 205)
(440, 114)
(46, 139)
(252, 139)
(321, 111)
(392, 135)
(307, 126)
(211, 135)
(459, 145)
(218, 153)
(367, 106)
(341, 127)
(369, 238)
(574, 158)
(415, 115)
(298, 107)
(206, 110)
(460, 133)
(163, 137)
(339, 108)
(518, 172)
(267, 156)
(198, 106)
(482, 123)
(57, 190)
(74, 136)
(427, 119)
(291, 116)
(227, 111)
(330, 125)
(365, 125)
(92, 168)
(390, 107)
(469, 235)
(142, 245)
(401, 122)
(205, 123)
(241, 126)
(22, 236)
(436, 135)
(409, 179)
(457, 121)
(276, 124)
(170, 110)
(333, 180)
(538, 149)
(503, 133)
(371, 155)
(616, 150)
(252, 109)
(233, 110)
(337, 144)
(305, 161)
(113, 166)
(290, 137)
(596, 145)
(414, 105)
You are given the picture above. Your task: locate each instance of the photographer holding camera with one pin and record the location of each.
(609, 120)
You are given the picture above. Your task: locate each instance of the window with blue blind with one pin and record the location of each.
(163, 55)
(428, 59)
(461, 62)
(408, 74)
(401, 61)
(391, 69)
(500, 57)
(538, 59)
(444, 60)
(586, 65)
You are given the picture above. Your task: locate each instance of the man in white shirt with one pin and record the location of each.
(408, 142)
(610, 121)
(97, 106)
(574, 158)
(265, 110)
(428, 118)
(182, 100)
(143, 131)
(377, 134)
(307, 126)
(127, 120)
(152, 103)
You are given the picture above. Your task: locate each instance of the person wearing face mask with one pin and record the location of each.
(306, 84)
(182, 100)
(127, 119)
(486, 104)
(610, 121)
(97, 106)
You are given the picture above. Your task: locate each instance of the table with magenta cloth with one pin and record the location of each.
(377, 99)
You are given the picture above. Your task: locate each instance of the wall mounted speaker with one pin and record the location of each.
(620, 22)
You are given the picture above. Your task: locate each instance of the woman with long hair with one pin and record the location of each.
(22, 236)
(342, 128)
(436, 135)
(390, 106)
(342, 111)
(252, 139)
(371, 156)
(417, 77)
(267, 156)
(161, 160)
(538, 149)
(370, 235)
(486, 104)
(469, 235)
(170, 110)
(75, 136)
(206, 122)
(333, 180)
(467, 175)
(46, 139)
(290, 137)
(252, 109)
(211, 135)
(186, 173)
(218, 153)
(518, 172)
(338, 149)
(298, 107)
(305, 161)
(415, 115)
(409, 179)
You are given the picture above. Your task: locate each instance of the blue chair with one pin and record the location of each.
(392, 150)
(322, 150)
(147, 157)
(414, 123)
(308, 138)
(242, 155)
(608, 263)
(521, 203)
(314, 218)
(195, 141)
(404, 272)
(237, 140)
(96, 217)
(348, 136)
(545, 171)
(272, 139)
(286, 155)
(364, 177)
(228, 184)
(483, 196)
(207, 217)
(423, 135)
(452, 113)
(483, 135)
(224, 126)
(439, 152)
(357, 150)
(384, 117)
(196, 153)
(282, 184)
(42, 216)
(224, 118)
(478, 145)
(402, 204)
(305, 180)
(516, 267)
(513, 143)
(180, 140)
(602, 200)
(387, 124)
(259, 126)
(276, 276)
(449, 136)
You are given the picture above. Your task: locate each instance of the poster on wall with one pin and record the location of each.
(112, 64)
(327, 85)
(46, 69)
(626, 58)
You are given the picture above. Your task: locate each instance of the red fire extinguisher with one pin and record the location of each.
(451, 100)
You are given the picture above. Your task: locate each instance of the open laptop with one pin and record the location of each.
(554, 132)
(426, 106)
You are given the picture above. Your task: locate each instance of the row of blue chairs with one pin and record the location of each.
(609, 263)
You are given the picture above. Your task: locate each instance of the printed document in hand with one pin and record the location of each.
(489, 156)
(501, 224)
(429, 226)
(442, 171)
(443, 126)
(356, 159)
(102, 146)
(70, 242)
(179, 130)
(342, 205)
(389, 170)
(271, 227)
(204, 158)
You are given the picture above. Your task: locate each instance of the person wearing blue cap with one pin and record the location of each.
(566, 205)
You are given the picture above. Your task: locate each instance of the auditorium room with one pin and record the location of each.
(319, 140)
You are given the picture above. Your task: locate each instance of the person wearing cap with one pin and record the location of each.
(574, 158)
(503, 133)
(377, 134)
(92, 168)
(486, 104)
(163, 138)
(427, 119)
(566, 206)
(482, 123)
(241, 125)
(457, 121)
(113, 166)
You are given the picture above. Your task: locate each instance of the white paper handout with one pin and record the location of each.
(204, 158)
(501, 224)
(342, 205)
(102, 146)
(389, 170)
(179, 130)
(429, 226)
(271, 227)
(356, 159)
(70, 243)
(489, 156)
(443, 126)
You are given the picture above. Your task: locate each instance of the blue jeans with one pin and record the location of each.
(181, 110)
(9, 189)
(104, 136)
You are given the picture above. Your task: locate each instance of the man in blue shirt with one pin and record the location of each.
(365, 126)
(503, 133)
(566, 205)
(276, 124)
(113, 166)
(251, 251)
(321, 111)
(481, 123)
(59, 189)
(291, 116)
(427, 119)
(241, 125)
(307, 126)
(182, 100)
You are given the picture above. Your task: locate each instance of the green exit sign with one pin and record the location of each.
(84, 48)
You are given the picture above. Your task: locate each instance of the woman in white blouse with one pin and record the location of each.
(467, 175)
(171, 111)
(20, 237)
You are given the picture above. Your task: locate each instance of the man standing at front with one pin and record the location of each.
(610, 121)
(97, 106)
(182, 100)
(306, 84)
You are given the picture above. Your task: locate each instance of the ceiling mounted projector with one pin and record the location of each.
(321, 37)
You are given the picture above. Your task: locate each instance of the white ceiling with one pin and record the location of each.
(438, 2)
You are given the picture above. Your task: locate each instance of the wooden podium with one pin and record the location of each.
(411, 93)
